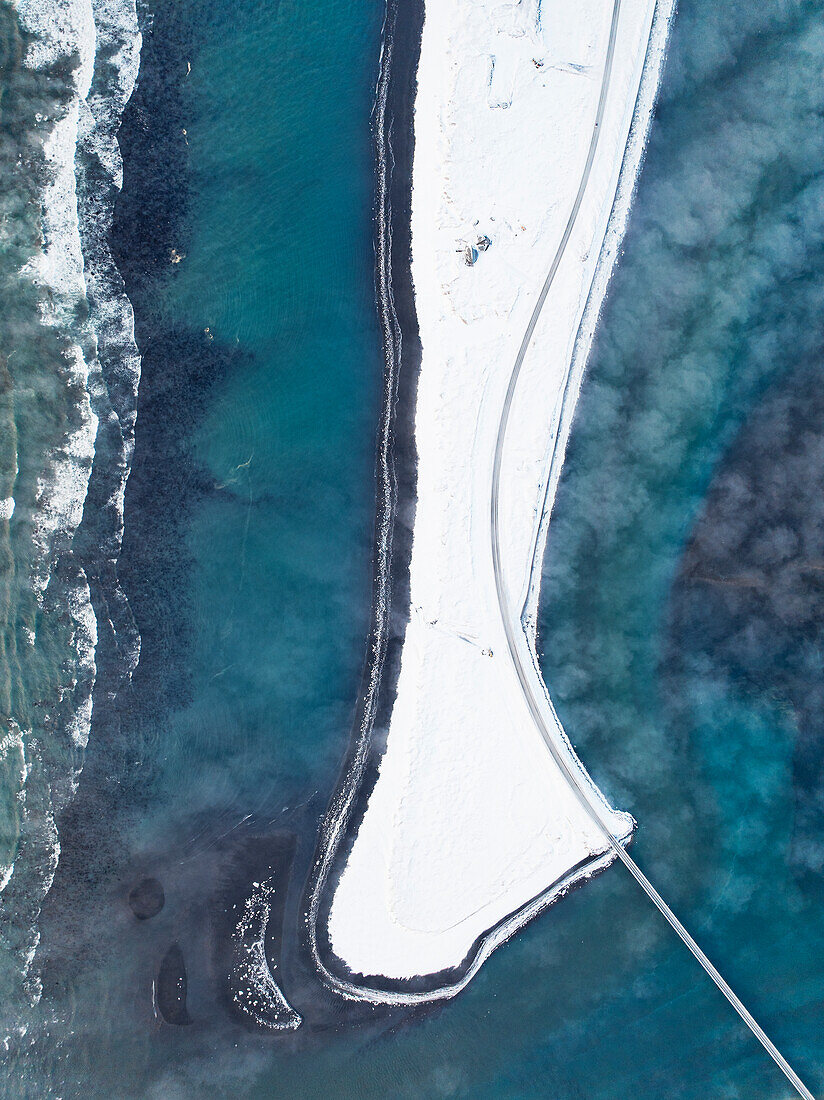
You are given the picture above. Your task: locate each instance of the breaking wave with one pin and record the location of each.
(69, 370)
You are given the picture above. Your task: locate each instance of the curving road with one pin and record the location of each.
(535, 695)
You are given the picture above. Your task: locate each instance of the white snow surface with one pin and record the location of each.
(471, 826)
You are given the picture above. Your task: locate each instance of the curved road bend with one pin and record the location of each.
(523, 661)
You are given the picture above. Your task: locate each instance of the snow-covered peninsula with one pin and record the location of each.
(529, 126)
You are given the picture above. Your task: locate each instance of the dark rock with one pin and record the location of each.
(147, 899)
(171, 987)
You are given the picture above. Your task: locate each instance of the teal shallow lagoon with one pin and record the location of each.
(253, 643)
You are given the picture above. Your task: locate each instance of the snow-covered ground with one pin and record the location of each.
(471, 827)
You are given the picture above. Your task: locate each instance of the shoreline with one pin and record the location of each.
(82, 72)
(184, 372)
(395, 467)
(622, 208)
(343, 820)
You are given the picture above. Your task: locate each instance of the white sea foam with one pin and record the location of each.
(87, 29)
(102, 37)
(119, 41)
(58, 31)
(13, 756)
(471, 828)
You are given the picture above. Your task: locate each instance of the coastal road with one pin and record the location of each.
(523, 661)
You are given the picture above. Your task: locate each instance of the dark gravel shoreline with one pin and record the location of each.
(396, 460)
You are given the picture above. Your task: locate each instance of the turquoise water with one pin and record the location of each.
(247, 565)
(278, 269)
(717, 302)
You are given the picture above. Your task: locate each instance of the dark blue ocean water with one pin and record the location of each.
(678, 621)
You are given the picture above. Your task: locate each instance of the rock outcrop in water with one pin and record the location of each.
(171, 988)
(146, 898)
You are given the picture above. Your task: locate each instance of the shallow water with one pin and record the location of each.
(717, 304)
(247, 566)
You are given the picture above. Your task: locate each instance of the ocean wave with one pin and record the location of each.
(60, 33)
(114, 383)
(78, 69)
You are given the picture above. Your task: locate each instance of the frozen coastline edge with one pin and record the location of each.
(342, 817)
(395, 465)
